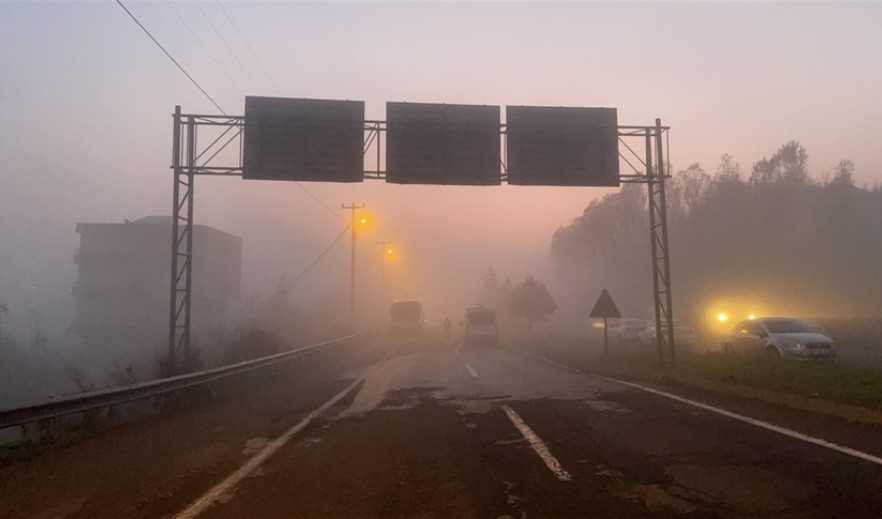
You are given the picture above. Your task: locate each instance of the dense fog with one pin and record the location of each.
(85, 137)
(775, 238)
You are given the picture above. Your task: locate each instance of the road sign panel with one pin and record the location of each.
(303, 140)
(558, 146)
(442, 144)
(605, 307)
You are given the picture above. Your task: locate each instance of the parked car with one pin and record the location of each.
(480, 326)
(779, 338)
(625, 330)
(684, 335)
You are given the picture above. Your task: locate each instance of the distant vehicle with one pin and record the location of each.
(406, 317)
(625, 330)
(779, 338)
(684, 335)
(481, 326)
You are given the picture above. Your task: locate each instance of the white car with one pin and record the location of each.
(626, 330)
(684, 335)
(779, 338)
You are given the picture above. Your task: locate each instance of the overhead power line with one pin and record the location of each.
(229, 48)
(319, 258)
(265, 73)
(205, 47)
(171, 58)
(248, 46)
(335, 213)
(197, 85)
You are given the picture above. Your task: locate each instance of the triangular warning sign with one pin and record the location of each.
(605, 307)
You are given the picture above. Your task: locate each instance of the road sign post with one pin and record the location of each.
(605, 307)
(605, 338)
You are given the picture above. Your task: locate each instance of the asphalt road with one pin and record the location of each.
(436, 431)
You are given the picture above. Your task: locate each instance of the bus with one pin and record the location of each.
(406, 317)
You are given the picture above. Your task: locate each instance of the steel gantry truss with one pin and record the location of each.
(223, 156)
(189, 159)
(653, 175)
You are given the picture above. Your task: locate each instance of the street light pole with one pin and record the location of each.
(353, 232)
(386, 252)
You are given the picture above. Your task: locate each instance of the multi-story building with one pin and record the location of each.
(123, 284)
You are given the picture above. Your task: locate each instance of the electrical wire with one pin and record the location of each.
(229, 48)
(333, 212)
(248, 46)
(204, 47)
(170, 57)
(197, 85)
(319, 258)
(257, 60)
(266, 73)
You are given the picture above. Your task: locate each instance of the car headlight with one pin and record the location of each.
(798, 346)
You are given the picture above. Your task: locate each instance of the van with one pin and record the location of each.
(406, 317)
(481, 326)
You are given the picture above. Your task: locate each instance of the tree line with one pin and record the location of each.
(775, 235)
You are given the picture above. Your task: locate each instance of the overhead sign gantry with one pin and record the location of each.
(312, 140)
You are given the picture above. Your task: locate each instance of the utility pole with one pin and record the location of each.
(353, 232)
(386, 252)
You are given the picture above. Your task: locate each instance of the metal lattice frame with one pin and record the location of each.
(223, 156)
(654, 176)
(189, 160)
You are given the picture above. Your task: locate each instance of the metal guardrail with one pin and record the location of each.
(82, 402)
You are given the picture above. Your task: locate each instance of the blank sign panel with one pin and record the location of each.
(558, 146)
(303, 140)
(442, 144)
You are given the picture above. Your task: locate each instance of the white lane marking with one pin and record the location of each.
(758, 423)
(538, 445)
(558, 364)
(215, 493)
(471, 370)
(746, 419)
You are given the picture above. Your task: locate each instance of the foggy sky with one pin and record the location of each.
(86, 98)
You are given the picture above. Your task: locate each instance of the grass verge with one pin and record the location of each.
(815, 386)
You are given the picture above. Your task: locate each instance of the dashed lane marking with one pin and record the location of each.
(538, 445)
(472, 370)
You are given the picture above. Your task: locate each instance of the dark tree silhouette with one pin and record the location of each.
(779, 237)
(532, 301)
